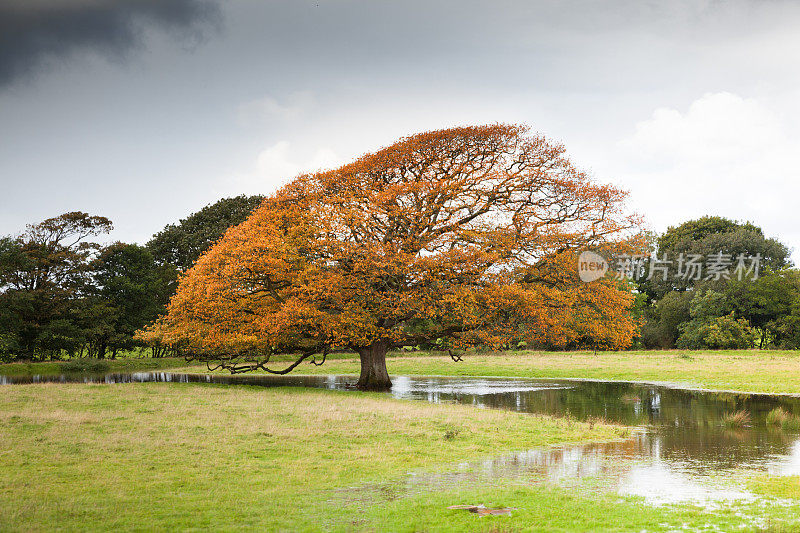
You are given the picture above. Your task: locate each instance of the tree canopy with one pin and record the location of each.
(181, 244)
(459, 237)
(706, 237)
(131, 290)
(700, 228)
(678, 313)
(61, 294)
(44, 272)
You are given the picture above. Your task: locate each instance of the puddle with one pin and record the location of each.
(684, 454)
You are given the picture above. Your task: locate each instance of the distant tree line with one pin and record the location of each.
(63, 295)
(721, 309)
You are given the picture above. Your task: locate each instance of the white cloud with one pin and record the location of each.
(724, 155)
(278, 164)
(713, 131)
(275, 163)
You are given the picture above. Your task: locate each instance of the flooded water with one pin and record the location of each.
(684, 453)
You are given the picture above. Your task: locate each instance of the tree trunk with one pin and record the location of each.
(374, 376)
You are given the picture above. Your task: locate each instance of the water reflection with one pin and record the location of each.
(682, 455)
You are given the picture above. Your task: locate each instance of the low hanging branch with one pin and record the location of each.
(454, 356)
(234, 366)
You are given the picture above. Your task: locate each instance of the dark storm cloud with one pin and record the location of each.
(34, 33)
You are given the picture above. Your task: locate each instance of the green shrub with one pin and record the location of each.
(718, 333)
(9, 345)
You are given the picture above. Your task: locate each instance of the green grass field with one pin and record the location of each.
(167, 456)
(163, 457)
(182, 456)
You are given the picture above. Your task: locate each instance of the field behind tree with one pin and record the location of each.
(768, 371)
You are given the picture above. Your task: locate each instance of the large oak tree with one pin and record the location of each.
(462, 237)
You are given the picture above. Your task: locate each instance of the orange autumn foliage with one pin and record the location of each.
(461, 237)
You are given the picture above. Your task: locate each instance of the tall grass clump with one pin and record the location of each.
(738, 419)
(780, 417)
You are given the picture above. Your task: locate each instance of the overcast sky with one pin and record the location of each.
(146, 110)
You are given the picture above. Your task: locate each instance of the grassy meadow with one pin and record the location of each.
(161, 457)
(169, 456)
(172, 456)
